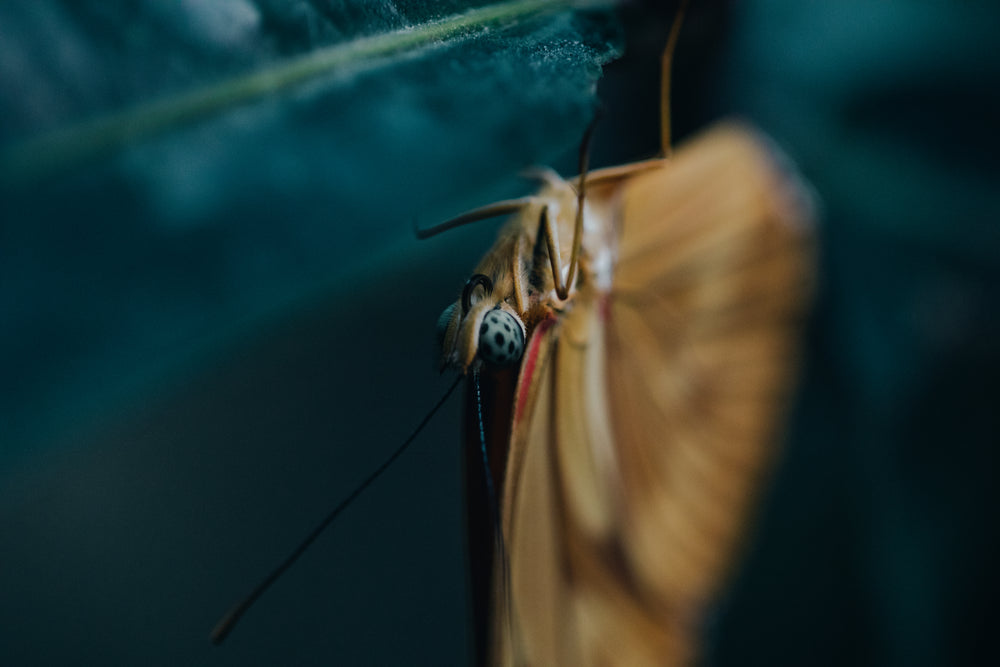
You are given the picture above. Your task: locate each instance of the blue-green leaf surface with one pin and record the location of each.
(171, 169)
(215, 320)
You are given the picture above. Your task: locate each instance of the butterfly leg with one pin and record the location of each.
(493, 210)
(545, 224)
(547, 231)
(517, 270)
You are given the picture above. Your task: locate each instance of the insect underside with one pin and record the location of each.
(648, 398)
(636, 331)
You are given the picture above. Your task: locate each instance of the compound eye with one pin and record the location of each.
(501, 340)
(443, 321)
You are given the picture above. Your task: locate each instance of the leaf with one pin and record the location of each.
(173, 172)
(63, 149)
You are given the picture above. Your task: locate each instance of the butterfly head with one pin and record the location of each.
(480, 328)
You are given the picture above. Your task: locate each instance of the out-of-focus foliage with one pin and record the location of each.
(210, 335)
(880, 542)
(286, 222)
(117, 265)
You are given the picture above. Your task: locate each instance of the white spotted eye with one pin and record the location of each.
(501, 340)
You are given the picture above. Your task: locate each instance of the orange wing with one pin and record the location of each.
(645, 417)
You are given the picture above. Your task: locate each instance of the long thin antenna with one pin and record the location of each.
(666, 63)
(229, 620)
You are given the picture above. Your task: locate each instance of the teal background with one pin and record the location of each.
(880, 536)
(208, 338)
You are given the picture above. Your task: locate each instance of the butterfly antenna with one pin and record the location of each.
(494, 506)
(666, 63)
(232, 617)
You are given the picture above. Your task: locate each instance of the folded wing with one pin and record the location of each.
(649, 414)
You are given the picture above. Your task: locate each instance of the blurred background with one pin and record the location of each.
(213, 328)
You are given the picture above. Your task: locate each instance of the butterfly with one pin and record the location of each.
(630, 337)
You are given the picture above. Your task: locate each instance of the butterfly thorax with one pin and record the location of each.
(520, 274)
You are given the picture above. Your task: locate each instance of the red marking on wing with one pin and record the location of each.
(604, 307)
(530, 365)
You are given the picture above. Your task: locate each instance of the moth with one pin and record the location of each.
(631, 337)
